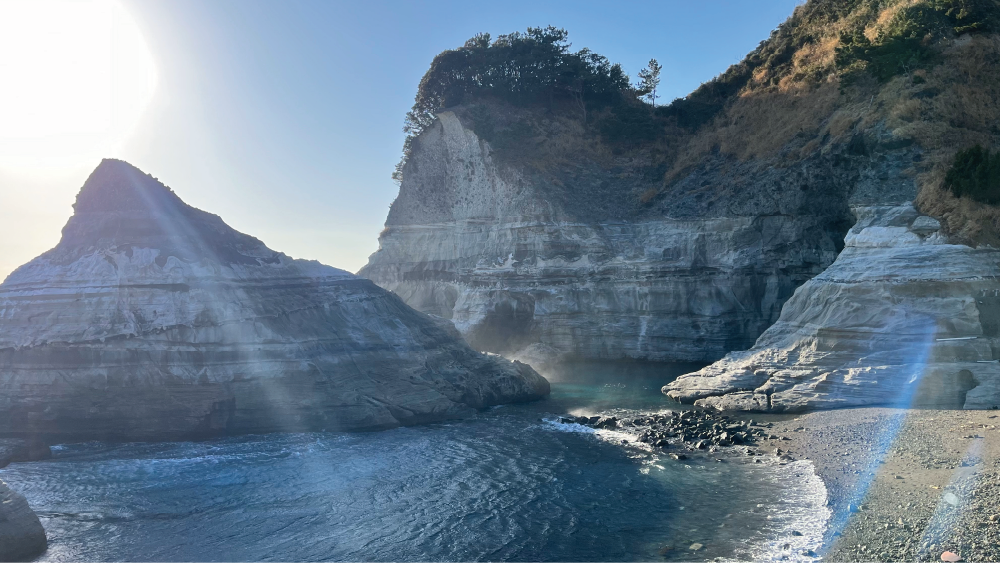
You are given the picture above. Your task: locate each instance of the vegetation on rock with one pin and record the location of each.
(534, 68)
(912, 80)
(649, 81)
(975, 174)
(905, 42)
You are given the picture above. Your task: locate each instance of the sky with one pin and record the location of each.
(283, 117)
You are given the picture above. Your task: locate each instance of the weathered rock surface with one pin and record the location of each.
(22, 537)
(586, 269)
(14, 449)
(155, 320)
(901, 318)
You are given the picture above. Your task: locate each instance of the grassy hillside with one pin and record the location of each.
(885, 74)
(859, 77)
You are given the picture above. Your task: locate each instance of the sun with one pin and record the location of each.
(75, 77)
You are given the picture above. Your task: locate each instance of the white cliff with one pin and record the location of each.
(901, 318)
(155, 320)
(516, 263)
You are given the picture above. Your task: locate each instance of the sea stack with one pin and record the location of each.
(153, 320)
(22, 537)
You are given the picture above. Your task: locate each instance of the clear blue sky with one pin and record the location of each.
(284, 117)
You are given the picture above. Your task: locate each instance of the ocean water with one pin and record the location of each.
(511, 484)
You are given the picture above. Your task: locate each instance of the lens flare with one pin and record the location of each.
(883, 440)
(954, 501)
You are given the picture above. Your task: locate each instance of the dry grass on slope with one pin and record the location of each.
(806, 90)
(950, 104)
(965, 112)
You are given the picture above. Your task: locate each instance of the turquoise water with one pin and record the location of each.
(510, 484)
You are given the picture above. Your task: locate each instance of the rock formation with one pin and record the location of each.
(901, 318)
(22, 537)
(547, 224)
(12, 450)
(154, 320)
(515, 261)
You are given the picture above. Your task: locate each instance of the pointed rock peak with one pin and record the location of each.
(120, 206)
(117, 186)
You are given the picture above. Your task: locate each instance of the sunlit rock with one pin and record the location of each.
(155, 320)
(901, 318)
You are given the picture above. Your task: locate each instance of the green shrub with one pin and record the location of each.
(975, 173)
(905, 43)
(969, 16)
(901, 47)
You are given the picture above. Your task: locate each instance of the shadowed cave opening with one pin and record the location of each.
(944, 390)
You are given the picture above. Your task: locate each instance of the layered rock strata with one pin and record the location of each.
(155, 320)
(579, 265)
(22, 537)
(901, 318)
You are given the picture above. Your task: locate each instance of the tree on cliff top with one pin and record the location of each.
(531, 68)
(649, 81)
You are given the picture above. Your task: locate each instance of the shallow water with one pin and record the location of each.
(510, 484)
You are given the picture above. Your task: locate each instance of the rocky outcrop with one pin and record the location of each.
(22, 537)
(13, 450)
(901, 318)
(574, 261)
(155, 320)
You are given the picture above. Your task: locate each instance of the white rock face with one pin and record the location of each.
(154, 320)
(900, 318)
(481, 245)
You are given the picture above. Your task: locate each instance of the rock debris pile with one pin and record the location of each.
(690, 431)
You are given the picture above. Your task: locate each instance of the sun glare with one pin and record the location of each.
(76, 77)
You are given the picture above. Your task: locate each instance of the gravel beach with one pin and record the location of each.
(903, 484)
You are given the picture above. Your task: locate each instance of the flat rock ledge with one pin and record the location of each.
(901, 318)
(22, 537)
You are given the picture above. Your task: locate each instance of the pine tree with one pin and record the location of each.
(649, 80)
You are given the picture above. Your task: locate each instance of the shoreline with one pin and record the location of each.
(901, 483)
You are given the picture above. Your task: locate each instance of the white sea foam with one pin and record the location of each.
(798, 518)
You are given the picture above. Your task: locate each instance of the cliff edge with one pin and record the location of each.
(546, 224)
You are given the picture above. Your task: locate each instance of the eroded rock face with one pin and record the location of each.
(900, 318)
(15, 449)
(155, 320)
(516, 264)
(22, 537)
